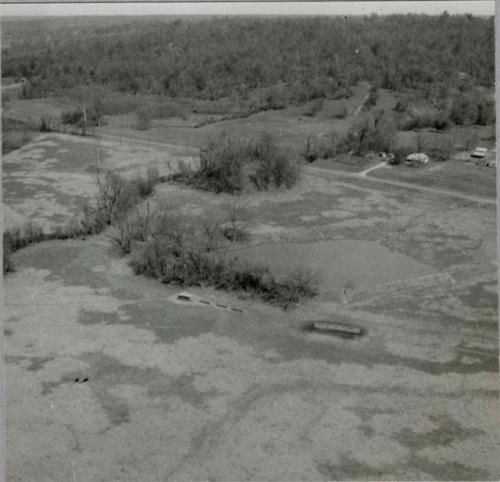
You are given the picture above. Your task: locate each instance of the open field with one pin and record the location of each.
(180, 392)
(35, 109)
(465, 177)
(217, 262)
(49, 180)
(289, 125)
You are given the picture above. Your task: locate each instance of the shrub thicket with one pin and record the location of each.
(341, 113)
(47, 124)
(438, 120)
(17, 238)
(144, 119)
(136, 226)
(472, 108)
(16, 133)
(113, 202)
(194, 255)
(235, 227)
(314, 107)
(8, 262)
(227, 165)
(400, 154)
(371, 133)
(274, 167)
(372, 98)
(322, 147)
(221, 166)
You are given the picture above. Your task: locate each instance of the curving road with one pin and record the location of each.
(324, 172)
(329, 173)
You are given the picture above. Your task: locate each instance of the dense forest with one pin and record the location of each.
(305, 57)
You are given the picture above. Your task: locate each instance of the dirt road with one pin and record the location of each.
(373, 168)
(332, 174)
(138, 141)
(358, 110)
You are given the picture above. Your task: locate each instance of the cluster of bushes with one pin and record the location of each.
(372, 133)
(340, 113)
(274, 97)
(399, 155)
(421, 120)
(442, 151)
(409, 117)
(472, 108)
(165, 247)
(314, 107)
(173, 251)
(15, 134)
(49, 124)
(18, 238)
(82, 119)
(144, 119)
(228, 165)
(190, 266)
(115, 197)
(8, 262)
(372, 98)
(235, 229)
(321, 147)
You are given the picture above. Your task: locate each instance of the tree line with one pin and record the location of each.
(308, 57)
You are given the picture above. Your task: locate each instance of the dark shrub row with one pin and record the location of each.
(371, 133)
(183, 253)
(227, 165)
(165, 247)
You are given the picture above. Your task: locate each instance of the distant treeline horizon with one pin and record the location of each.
(216, 57)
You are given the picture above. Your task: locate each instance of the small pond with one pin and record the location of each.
(339, 263)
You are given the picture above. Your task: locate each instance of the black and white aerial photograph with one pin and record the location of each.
(249, 242)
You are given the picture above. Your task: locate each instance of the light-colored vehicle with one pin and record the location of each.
(417, 159)
(480, 152)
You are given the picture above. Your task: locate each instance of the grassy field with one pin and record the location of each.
(34, 109)
(290, 126)
(465, 177)
(139, 375)
(348, 163)
(49, 179)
